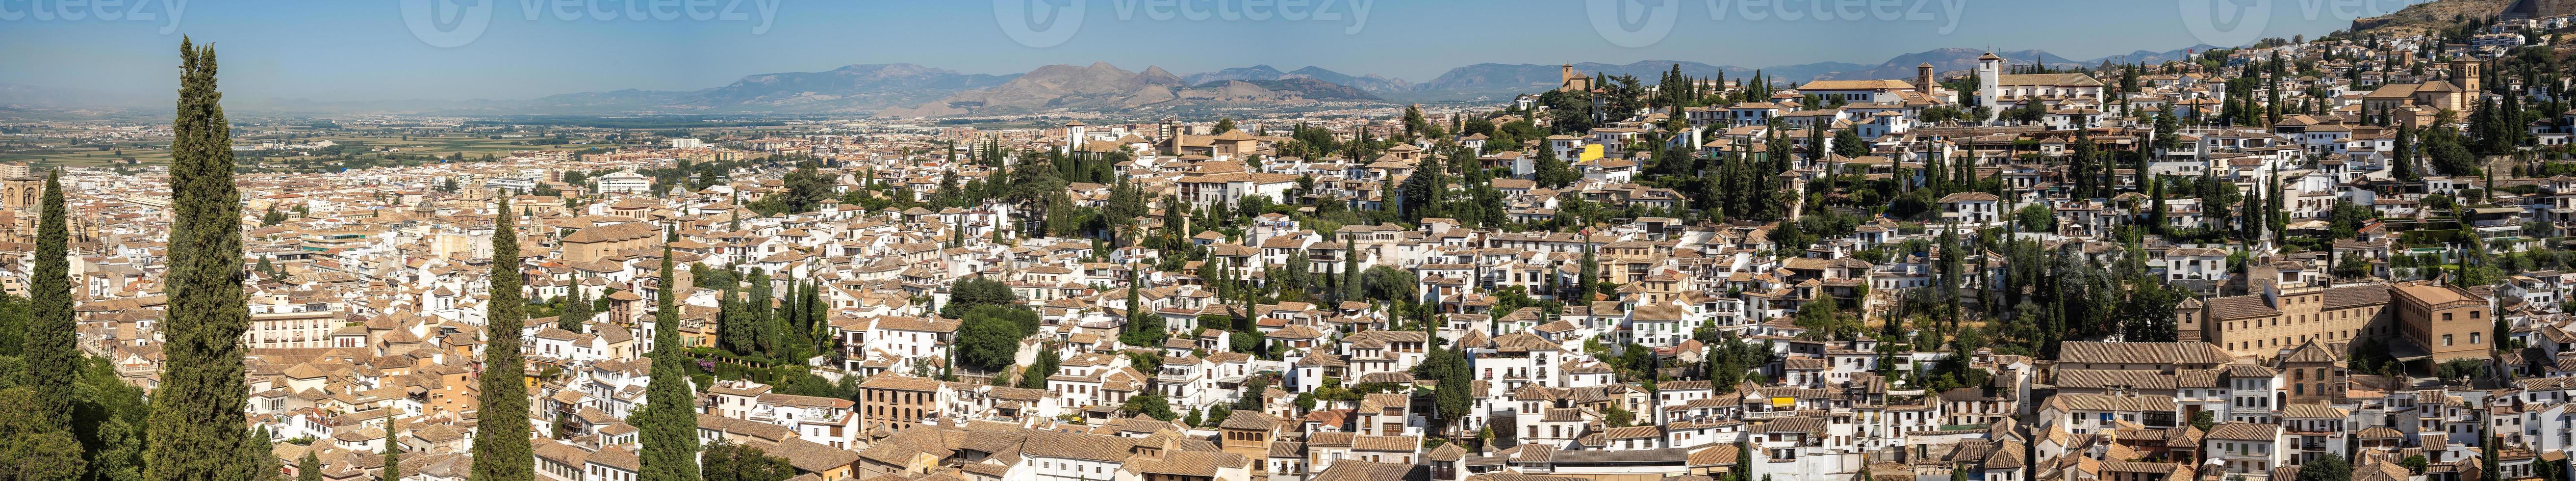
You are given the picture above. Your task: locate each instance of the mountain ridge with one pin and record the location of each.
(1104, 87)
(913, 88)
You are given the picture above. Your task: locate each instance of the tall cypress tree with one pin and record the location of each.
(393, 451)
(501, 451)
(818, 316)
(576, 311)
(669, 429)
(196, 428)
(309, 469)
(731, 334)
(50, 356)
(760, 311)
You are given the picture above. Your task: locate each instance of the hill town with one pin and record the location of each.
(2342, 258)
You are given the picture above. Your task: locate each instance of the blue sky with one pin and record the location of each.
(362, 50)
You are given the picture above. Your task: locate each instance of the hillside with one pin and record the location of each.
(2430, 15)
(1498, 80)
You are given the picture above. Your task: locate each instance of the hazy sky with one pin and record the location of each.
(366, 50)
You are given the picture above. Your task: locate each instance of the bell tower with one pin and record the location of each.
(2464, 73)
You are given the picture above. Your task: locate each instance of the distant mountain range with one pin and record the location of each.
(1103, 87)
(1370, 83)
(909, 90)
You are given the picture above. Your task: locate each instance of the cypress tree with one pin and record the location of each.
(196, 427)
(255, 447)
(501, 451)
(669, 429)
(1591, 270)
(310, 469)
(576, 311)
(393, 456)
(759, 310)
(731, 332)
(818, 316)
(51, 358)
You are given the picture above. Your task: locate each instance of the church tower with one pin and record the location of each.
(2464, 73)
(1990, 72)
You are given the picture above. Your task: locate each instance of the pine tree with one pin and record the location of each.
(196, 424)
(669, 429)
(501, 450)
(51, 357)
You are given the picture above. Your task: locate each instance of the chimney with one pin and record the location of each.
(1923, 78)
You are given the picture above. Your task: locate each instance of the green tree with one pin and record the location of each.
(1150, 404)
(310, 469)
(989, 337)
(2036, 218)
(1389, 284)
(1451, 400)
(196, 424)
(1035, 377)
(36, 451)
(1143, 328)
(667, 424)
(967, 293)
(2325, 467)
(727, 461)
(576, 311)
(760, 314)
(52, 358)
(109, 419)
(1223, 125)
(1550, 171)
(1848, 143)
(393, 462)
(501, 450)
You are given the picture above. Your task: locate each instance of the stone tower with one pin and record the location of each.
(1923, 78)
(2464, 73)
